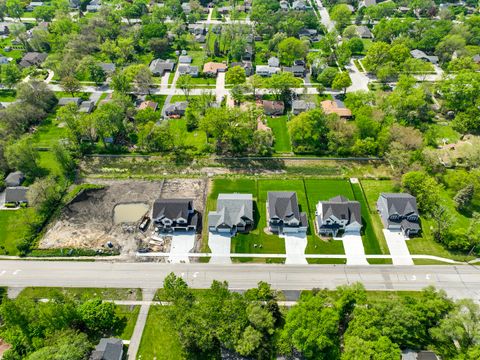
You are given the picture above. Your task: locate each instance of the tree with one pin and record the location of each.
(238, 93)
(14, 8)
(64, 345)
(424, 188)
(184, 82)
(71, 85)
(121, 83)
(282, 84)
(327, 76)
(143, 80)
(291, 49)
(21, 155)
(255, 81)
(12, 75)
(381, 349)
(36, 93)
(44, 194)
(158, 46)
(44, 13)
(236, 75)
(99, 317)
(65, 159)
(341, 15)
(464, 197)
(97, 74)
(308, 132)
(342, 81)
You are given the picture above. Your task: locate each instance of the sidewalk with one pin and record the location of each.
(136, 338)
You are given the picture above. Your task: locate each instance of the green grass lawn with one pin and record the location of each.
(159, 99)
(160, 340)
(63, 94)
(49, 133)
(196, 138)
(280, 132)
(128, 317)
(83, 293)
(7, 95)
(210, 81)
(9, 230)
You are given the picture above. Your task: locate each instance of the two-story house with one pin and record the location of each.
(283, 213)
(399, 212)
(234, 214)
(171, 215)
(338, 215)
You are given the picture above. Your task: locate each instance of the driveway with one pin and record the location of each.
(182, 243)
(398, 248)
(353, 245)
(220, 87)
(295, 245)
(95, 96)
(219, 244)
(359, 80)
(164, 80)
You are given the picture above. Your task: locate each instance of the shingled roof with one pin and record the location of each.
(172, 208)
(232, 209)
(342, 208)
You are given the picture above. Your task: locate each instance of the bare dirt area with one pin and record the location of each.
(112, 214)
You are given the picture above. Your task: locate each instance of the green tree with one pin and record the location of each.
(236, 75)
(71, 85)
(342, 81)
(184, 83)
(99, 317)
(143, 80)
(308, 132)
(327, 76)
(64, 345)
(65, 159)
(424, 188)
(291, 49)
(464, 197)
(36, 93)
(282, 84)
(121, 83)
(14, 8)
(44, 13)
(341, 15)
(21, 155)
(12, 75)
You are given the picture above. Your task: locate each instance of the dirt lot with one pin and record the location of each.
(88, 221)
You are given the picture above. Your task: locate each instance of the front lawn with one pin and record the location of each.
(7, 95)
(10, 228)
(160, 339)
(280, 132)
(128, 315)
(82, 293)
(159, 99)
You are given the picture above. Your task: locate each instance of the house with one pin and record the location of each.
(158, 67)
(273, 62)
(296, 70)
(265, 70)
(419, 355)
(200, 38)
(336, 107)
(176, 109)
(245, 65)
(419, 54)
(108, 349)
(197, 29)
(33, 5)
(234, 214)
(16, 195)
(284, 5)
(224, 10)
(86, 106)
(4, 60)
(364, 32)
(184, 59)
(171, 215)
(32, 59)
(186, 8)
(367, 3)
(338, 214)
(94, 6)
(213, 68)
(4, 30)
(108, 68)
(399, 212)
(14, 179)
(311, 34)
(299, 5)
(283, 213)
(299, 106)
(188, 70)
(148, 105)
(248, 53)
(273, 108)
(69, 100)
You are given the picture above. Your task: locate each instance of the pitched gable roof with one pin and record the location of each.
(172, 208)
(343, 209)
(232, 209)
(283, 205)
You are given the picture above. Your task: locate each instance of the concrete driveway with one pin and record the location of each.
(353, 245)
(219, 244)
(182, 243)
(220, 91)
(398, 248)
(295, 245)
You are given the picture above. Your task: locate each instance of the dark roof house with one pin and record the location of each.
(419, 355)
(15, 178)
(176, 109)
(234, 214)
(338, 214)
(283, 213)
(108, 349)
(32, 59)
(158, 66)
(171, 215)
(299, 106)
(399, 212)
(16, 195)
(296, 70)
(272, 107)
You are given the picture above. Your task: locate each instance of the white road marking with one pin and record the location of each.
(414, 277)
(427, 276)
(16, 272)
(195, 274)
(3, 272)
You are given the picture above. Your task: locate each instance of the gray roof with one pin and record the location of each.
(172, 208)
(32, 58)
(302, 105)
(185, 59)
(419, 54)
(108, 349)
(420, 355)
(69, 100)
(232, 209)
(342, 208)
(16, 194)
(176, 107)
(14, 178)
(87, 106)
(107, 67)
(159, 66)
(401, 204)
(273, 61)
(284, 205)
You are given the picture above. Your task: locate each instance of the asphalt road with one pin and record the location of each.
(459, 281)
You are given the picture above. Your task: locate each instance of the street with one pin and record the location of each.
(458, 281)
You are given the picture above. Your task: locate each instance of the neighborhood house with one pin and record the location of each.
(171, 215)
(338, 214)
(283, 213)
(399, 212)
(234, 214)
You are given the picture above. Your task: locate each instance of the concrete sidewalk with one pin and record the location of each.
(136, 338)
(398, 248)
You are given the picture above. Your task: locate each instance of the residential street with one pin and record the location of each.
(458, 281)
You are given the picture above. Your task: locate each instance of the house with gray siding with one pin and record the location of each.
(170, 215)
(399, 212)
(284, 214)
(338, 215)
(234, 214)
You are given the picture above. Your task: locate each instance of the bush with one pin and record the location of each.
(327, 76)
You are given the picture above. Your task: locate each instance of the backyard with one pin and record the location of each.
(280, 132)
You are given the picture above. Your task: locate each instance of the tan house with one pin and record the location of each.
(148, 104)
(213, 68)
(334, 107)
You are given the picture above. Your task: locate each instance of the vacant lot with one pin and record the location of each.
(280, 132)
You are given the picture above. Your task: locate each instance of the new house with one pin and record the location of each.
(399, 212)
(283, 213)
(234, 214)
(419, 54)
(171, 215)
(338, 215)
